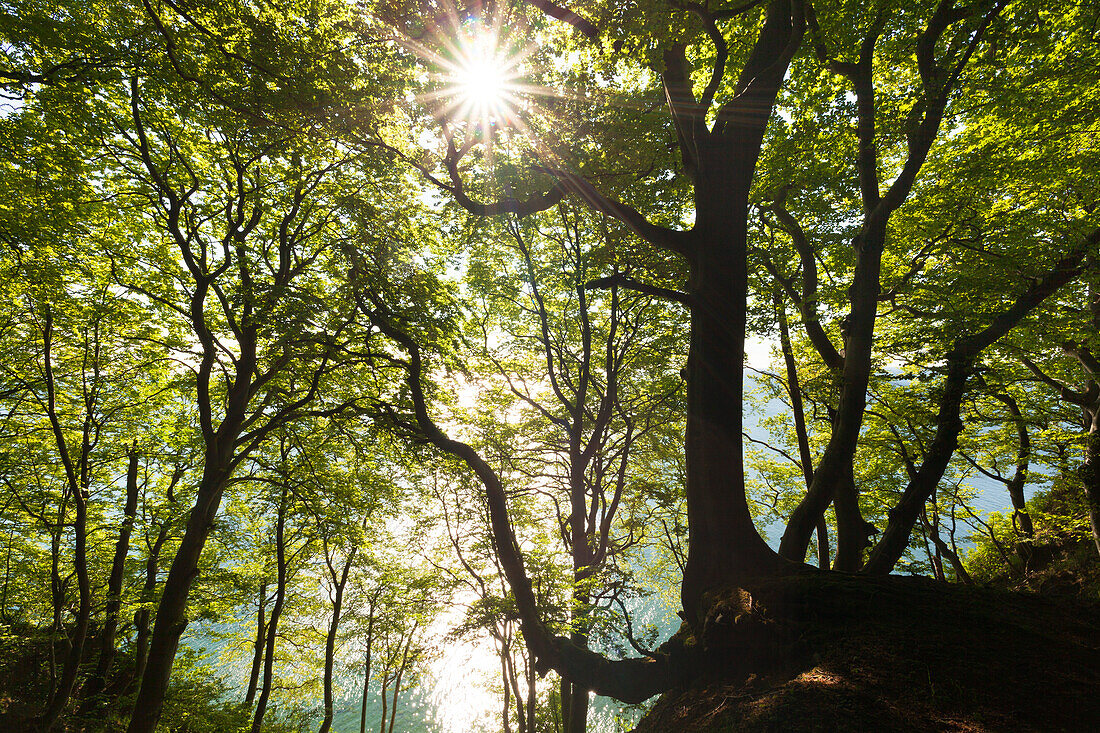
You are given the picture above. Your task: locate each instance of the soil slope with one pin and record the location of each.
(830, 652)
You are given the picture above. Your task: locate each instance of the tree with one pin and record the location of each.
(591, 391)
(200, 186)
(903, 67)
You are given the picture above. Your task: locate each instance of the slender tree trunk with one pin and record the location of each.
(400, 674)
(79, 633)
(257, 647)
(57, 596)
(532, 698)
(506, 709)
(107, 650)
(834, 478)
(383, 693)
(366, 668)
(330, 642)
(79, 480)
(276, 611)
(510, 680)
(148, 594)
(7, 577)
(944, 550)
(1020, 518)
(802, 435)
(565, 701)
(960, 362)
(171, 619)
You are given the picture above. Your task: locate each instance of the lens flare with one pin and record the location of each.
(480, 78)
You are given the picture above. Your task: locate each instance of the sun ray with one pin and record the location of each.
(483, 94)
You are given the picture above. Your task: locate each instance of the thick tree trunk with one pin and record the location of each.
(575, 698)
(724, 546)
(723, 542)
(107, 650)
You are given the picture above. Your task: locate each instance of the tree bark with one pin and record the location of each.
(79, 633)
(171, 619)
(276, 612)
(98, 681)
(834, 478)
(366, 665)
(397, 678)
(330, 640)
(78, 483)
(257, 647)
(960, 362)
(1015, 485)
(802, 435)
(148, 594)
(723, 545)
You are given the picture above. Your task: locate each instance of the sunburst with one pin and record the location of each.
(481, 90)
(479, 77)
(482, 79)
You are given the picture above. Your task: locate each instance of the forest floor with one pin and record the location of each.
(831, 652)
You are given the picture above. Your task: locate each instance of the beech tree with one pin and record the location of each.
(876, 184)
(901, 71)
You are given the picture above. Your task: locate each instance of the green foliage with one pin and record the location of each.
(1059, 559)
(208, 209)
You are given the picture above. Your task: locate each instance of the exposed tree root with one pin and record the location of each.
(839, 652)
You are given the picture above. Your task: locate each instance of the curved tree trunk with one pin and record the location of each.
(960, 363)
(1020, 518)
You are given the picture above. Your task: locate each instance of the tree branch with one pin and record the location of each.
(659, 236)
(630, 283)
